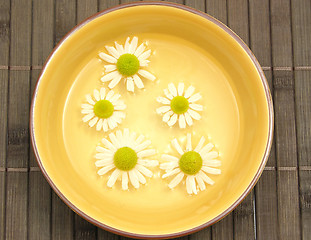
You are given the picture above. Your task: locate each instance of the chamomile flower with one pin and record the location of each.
(125, 155)
(126, 62)
(179, 105)
(103, 109)
(192, 164)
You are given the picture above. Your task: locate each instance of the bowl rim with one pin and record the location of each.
(263, 161)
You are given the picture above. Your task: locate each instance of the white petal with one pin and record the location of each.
(114, 140)
(87, 106)
(103, 150)
(109, 95)
(102, 93)
(189, 91)
(163, 109)
(133, 45)
(169, 166)
(181, 120)
(99, 125)
(211, 155)
(137, 81)
(140, 177)
(127, 45)
(108, 145)
(172, 89)
(168, 94)
(112, 123)
(144, 170)
(210, 170)
(118, 114)
(173, 120)
(126, 134)
(167, 157)
(106, 169)
(110, 68)
(120, 138)
(189, 145)
(104, 156)
(125, 181)
(206, 149)
(200, 183)
(181, 87)
(142, 146)
(146, 74)
(113, 177)
(195, 98)
(96, 95)
(105, 125)
(171, 173)
(93, 121)
(116, 118)
(163, 100)
(144, 63)
(87, 111)
(119, 48)
(140, 139)
(205, 178)
(107, 58)
(146, 153)
(194, 114)
(144, 55)
(200, 145)
(130, 84)
(88, 117)
(108, 77)
(188, 185)
(103, 163)
(112, 51)
(89, 99)
(193, 184)
(167, 116)
(119, 107)
(196, 107)
(176, 180)
(176, 145)
(148, 163)
(188, 118)
(212, 163)
(115, 81)
(139, 50)
(115, 98)
(132, 138)
(119, 102)
(134, 179)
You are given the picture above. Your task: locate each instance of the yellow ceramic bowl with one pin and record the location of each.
(188, 46)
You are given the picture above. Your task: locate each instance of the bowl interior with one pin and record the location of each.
(187, 48)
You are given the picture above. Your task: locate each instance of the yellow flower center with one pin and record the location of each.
(103, 109)
(179, 105)
(125, 158)
(128, 64)
(190, 162)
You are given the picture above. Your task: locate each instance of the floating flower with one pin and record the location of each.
(103, 110)
(194, 164)
(179, 105)
(125, 154)
(126, 62)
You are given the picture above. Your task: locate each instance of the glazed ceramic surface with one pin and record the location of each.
(187, 48)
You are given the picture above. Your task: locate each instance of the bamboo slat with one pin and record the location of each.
(16, 206)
